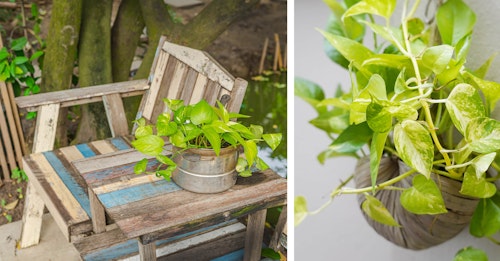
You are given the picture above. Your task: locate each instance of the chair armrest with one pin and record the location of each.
(84, 95)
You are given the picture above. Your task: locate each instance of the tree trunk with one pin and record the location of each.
(60, 55)
(125, 37)
(94, 65)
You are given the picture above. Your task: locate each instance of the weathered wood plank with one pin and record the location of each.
(254, 235)
(133, 181)
(103, 146)
(97, 210)
(7, 142)
(201, 62)
(178, 78)
(237, 95)
(45, 130)
(173, 212)
(149, 100)
(3, 162)
(199, 88)
(212, 92)
(12, 129)
(188, 84)
(278, 229)
(147, 252)
(115, 113)
(82, 95)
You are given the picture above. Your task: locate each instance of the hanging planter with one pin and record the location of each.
(415, 231)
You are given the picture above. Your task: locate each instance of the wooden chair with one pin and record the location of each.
(177, 72)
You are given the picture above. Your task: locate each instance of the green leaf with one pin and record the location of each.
(178, 139)
(308, 91)
(272, 139)
(257, 131)
(3, 54)
(424, 197)
(331, 121)
(455, 20)
(35, 56)
(389, 60)
(470, 254)
(245, 174)
(20, 60)
(300, 210)
(414, 145)
(377, 211)
(250, 148)
(143, 131)
(488, 88)
(376, 151)
(241, 165)
(392, 34)
(353, 51)
(140, 167)
(241, 129)
(202, 113)
(483, 135)
(270, 253)
(165, 173)
(375, 88)
(437, 58)
(18, 44)
(165, 160)
(486, 218)
(173, 104)
(222, 112)
(150, 145)
(379, 119)
(476, 187)
(481, 71)
(261, 164)
(482, 162)
(352, 138)
(464, 104)
(376, 7)
(213, 137)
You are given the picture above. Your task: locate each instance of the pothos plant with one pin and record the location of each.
(411, 96)
(199, 125)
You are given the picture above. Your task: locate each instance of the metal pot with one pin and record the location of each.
(201, 171)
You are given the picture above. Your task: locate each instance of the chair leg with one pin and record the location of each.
(254, 235)
(147, 252)
(32, 217)
(275, 239)
(98, 213)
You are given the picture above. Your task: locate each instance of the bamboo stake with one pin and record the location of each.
(285, 55)
(278, 63)
(263, 56)
(13, 5)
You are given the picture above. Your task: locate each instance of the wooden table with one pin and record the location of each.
(150, 208)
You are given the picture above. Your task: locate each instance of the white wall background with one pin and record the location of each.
(340, 232)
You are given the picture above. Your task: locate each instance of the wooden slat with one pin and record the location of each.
(3, 162)
(32, 217)
(45, 131)
(103, 146)
(199, 88)
(149, 100)
(174, 209)
(9, 152)
(279, 229)
(237, 95)
(12, 125)
(188, 85)
(115, 113)
(98, 216)
(212, 92)
(254, 236)
(79, 96)
(176, 83)
(201, 62)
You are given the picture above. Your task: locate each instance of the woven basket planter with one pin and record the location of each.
(416, 231)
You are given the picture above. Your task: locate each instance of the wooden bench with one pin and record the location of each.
(177, 72)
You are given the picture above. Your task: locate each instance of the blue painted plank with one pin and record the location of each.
(136, 193)
(120, 144)
(111, 173)
(68, 180)
(233, 256)
(85, 150)
(130, 246)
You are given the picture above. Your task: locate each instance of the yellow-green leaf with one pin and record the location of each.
(464, 104)
(300, 210)
(376, 7)
(377, 211)
(424, 197)
(477, 187)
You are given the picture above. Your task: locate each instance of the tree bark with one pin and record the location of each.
(126, 33)
(125, 37)
(94, 65)
(60, 55)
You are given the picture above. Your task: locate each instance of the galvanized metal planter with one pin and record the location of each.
(201, 171)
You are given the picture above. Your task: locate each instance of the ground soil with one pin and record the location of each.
(239, 49)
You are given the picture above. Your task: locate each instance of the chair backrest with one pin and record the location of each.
(180, 72)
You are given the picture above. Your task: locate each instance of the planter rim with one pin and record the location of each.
(206, 151)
